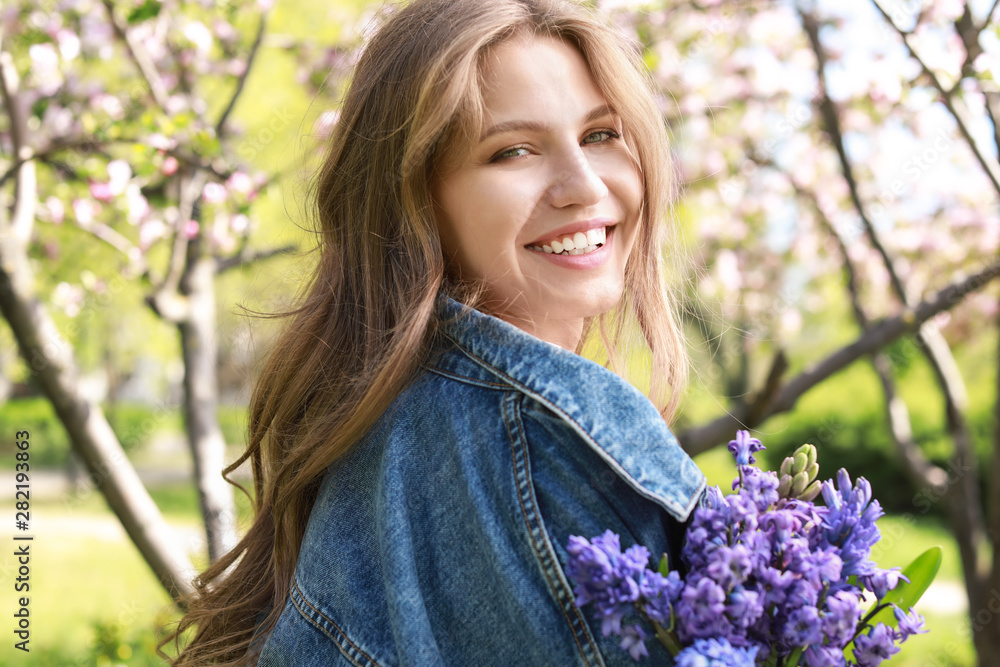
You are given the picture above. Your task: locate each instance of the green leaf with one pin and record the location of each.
(921, 573)
(664, 567)
(150, 9)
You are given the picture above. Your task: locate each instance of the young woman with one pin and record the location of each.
(424, 437)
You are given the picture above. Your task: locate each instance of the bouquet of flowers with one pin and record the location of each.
(772, 578)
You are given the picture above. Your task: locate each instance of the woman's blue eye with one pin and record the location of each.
(602, 135)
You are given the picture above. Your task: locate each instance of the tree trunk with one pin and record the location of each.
(53, 366)
(50, 358)
(985, 616)
(201, 399)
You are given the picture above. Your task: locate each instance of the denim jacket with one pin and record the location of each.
(440, 539)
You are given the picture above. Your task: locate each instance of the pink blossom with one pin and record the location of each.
(191, 228)
(44, 70)
(85, 210)
(56, 210)
(119, 174)
(239, 223)
(101, 192)
(240, 182)
(198, 34)
(151, 231)
(170, 165)
(214, 193)
(69, 298)
(69, 44)
(161, 142)
(138, 206)
(323, 127)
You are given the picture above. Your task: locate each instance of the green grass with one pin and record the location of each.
(87, 582)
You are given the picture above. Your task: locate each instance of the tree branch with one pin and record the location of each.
(831, 120)
(53, 366)
(26, 190)
(140, 57)
(245, 258)
(220, 126)
(955, 107)
(877, 336)
(964, 502)
(989, 14)
(922, 472)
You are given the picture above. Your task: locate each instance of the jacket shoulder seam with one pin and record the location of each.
(348, 649)
(452, 375)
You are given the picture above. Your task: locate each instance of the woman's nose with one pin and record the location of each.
(577, 182)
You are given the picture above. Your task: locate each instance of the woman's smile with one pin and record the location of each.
(544, 208)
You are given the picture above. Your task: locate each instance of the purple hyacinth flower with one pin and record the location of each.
(878, 645)
(743, 448)
(634, 641)
(729, 566)
(660, 593)
(744, 607)
(823, 656)
(881, 581)
(606, 577)
(715, 653)
(701, 609)
(908, 623)
(803, 627)
(841, 614)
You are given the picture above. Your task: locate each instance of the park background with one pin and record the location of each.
(837, 168)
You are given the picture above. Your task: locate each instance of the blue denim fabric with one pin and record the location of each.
(440, 538)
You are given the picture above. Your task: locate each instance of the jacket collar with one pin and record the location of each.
(608, 413)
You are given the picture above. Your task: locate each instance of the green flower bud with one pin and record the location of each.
(784, 486)
(786, 466)
(800, 463)
(813, 470)
(811, 491)
(811, 453)
(799, 483)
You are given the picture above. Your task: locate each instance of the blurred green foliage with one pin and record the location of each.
(845, 418)
(135, 424)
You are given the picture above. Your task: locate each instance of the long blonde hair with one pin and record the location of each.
(368, 315)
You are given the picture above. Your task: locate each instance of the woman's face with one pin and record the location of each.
(549, 171)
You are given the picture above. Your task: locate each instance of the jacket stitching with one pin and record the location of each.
(681, 512)
(554, 587)
(338, 640)
(465, 378)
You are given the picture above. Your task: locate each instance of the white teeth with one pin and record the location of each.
(581, 243)
(595, 236)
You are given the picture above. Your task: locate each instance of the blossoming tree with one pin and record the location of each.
(843, 150)
(106, 129)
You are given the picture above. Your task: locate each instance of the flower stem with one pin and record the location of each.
(667, 639)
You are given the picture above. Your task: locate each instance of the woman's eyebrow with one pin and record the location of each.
(507, 126)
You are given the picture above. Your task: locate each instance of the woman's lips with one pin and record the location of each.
(588, 258)
(573, 243)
